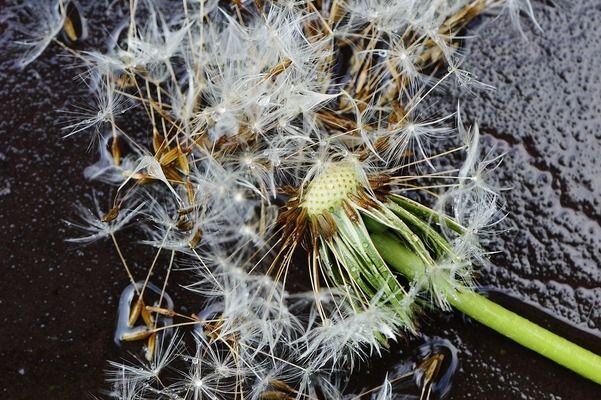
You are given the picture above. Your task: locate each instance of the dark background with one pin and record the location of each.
(58, 301)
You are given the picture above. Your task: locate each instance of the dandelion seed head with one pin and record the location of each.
(288, 102)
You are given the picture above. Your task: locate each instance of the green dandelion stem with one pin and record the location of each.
(505, 322)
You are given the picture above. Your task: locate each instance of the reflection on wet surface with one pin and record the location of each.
(60, 301)
(428, 373)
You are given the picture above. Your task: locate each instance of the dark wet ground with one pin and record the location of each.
(59, 301)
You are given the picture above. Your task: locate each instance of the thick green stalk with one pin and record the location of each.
(494, 316)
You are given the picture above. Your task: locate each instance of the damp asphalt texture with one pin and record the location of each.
(58, 301)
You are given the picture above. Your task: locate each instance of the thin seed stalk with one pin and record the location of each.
(505, 322)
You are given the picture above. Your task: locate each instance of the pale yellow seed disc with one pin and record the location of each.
(327, 191)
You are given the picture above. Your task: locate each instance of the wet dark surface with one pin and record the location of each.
(59, 301)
